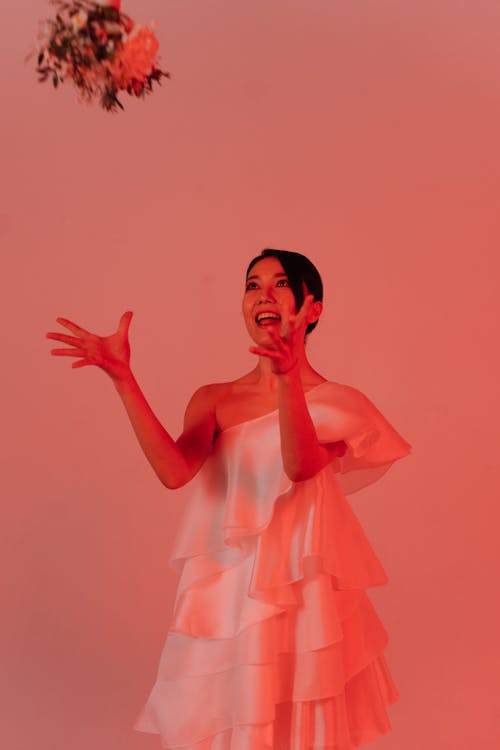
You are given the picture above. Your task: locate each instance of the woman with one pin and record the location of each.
(273, 643)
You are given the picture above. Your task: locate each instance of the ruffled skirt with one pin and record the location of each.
(274, 644)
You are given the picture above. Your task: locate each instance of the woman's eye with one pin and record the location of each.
(282, 282)
(251, 285)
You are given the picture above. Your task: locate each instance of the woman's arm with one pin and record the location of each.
(303, 456)
(175, 462)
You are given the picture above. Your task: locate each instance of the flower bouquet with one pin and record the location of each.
(100, 50)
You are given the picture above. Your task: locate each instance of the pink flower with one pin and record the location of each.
(136, 59)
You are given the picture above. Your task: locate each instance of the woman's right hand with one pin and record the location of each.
(110, 353)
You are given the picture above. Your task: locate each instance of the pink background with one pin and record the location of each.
(362, 133)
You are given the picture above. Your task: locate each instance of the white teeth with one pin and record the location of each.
(267, 316)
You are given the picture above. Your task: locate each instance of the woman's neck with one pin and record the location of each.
(268, 381)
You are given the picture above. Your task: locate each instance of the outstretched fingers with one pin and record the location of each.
(64, 338)
(304, 311)
(292, 322)
(124, 323)
(77, 330)
(77, 342)
(266, 352)
(69, 352)
(84, 362)
(276, 337)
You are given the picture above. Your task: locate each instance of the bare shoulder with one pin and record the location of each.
(210, 393)
(203, 402)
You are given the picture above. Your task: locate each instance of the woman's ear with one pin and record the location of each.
(316, 310)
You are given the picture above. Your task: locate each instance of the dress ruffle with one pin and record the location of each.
(274, 642)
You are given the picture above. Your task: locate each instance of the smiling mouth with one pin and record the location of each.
(267, 318)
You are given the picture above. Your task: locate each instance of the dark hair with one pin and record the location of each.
(299, 269)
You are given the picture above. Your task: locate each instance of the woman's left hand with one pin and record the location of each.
(288, 340)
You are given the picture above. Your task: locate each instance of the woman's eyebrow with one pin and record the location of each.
(256, 276)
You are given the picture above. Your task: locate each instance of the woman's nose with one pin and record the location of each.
(266, 295)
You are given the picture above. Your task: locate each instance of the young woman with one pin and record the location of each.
(274, 642)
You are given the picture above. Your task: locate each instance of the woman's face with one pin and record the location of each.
(268, 298)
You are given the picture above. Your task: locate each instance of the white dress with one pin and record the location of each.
(274, 643)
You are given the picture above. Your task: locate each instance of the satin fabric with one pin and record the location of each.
(274, 643)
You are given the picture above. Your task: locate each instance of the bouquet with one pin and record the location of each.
(100, 50)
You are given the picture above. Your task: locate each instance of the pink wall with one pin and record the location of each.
(364, 134)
